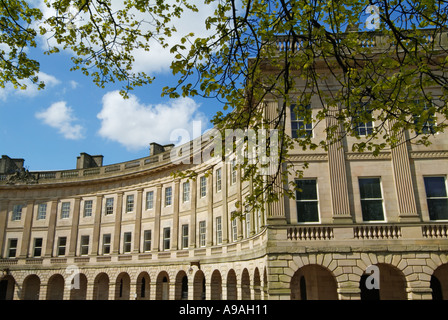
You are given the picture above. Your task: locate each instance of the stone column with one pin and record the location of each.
(419, 290)
(404, 184)
(117, 230)
(225, 209)
(138, 222)
(208, 290)
(209, 226)
(51, 228)
(26, 234)
(240, 200)
(175, 232)
(172, 290)
(133, 290)
(97, 225)
(157, 213)
(3, 223)
(193, 213)
(112, 289)
(276, 210)
(338, 172)
(349, 291)
(74, 230)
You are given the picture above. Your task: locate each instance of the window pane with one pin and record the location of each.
(88, 208)
(166, 238)
(65, 212)
(370, 188)
(109, 206)
(42, 211)
(168, 196)
(84, 245)
(438, 209)
(372, 210)
(309, 190)
(61, 245)
(17, 212)
(147, 242)
(307, 211)
(435, 187)
(127, 242)
(149, 199)
(106, 244)
(12, 248)
(130, 203)
(37, 247)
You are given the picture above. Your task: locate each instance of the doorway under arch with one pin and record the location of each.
(313, 282)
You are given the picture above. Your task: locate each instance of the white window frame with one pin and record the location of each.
(218, 180)
(168, 196)
(65, 210)
(373, 199)
(37, 247)
(202, 233)
(203, 186)
(149, 200)
(147, 242)
(109, 206)
(185, 234)
(88, 207)
(186, 191)
(83, 247)
(436, 198)
(129, 203)
(127, 242)
(17, 212)
(218, 230)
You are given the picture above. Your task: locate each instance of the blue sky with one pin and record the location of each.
(50, 127)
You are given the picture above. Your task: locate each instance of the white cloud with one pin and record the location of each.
(74, 84)
(60, 116)
(135, 125)
(31, 90)
(158, 59)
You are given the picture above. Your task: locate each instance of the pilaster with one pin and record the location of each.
(338, 173)
(404, 185)
(117, 232)
(74, 229)
(27, 229)
(138, 222)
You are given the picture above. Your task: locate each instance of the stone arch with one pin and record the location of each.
(31, 287)
(181, 286)
(55, 287)
(245, 285)
(123, 286)
(392, 283)
(232, 292)
(439, 282)
(101, 287)
(199, 286)
(143, 286)
(78, 290)
(163, 286)
(216, 286)
(313, 282)
(7, 284)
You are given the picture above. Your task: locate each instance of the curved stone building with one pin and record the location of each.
(365, 227)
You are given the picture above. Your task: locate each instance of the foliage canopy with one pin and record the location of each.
(395, 73)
